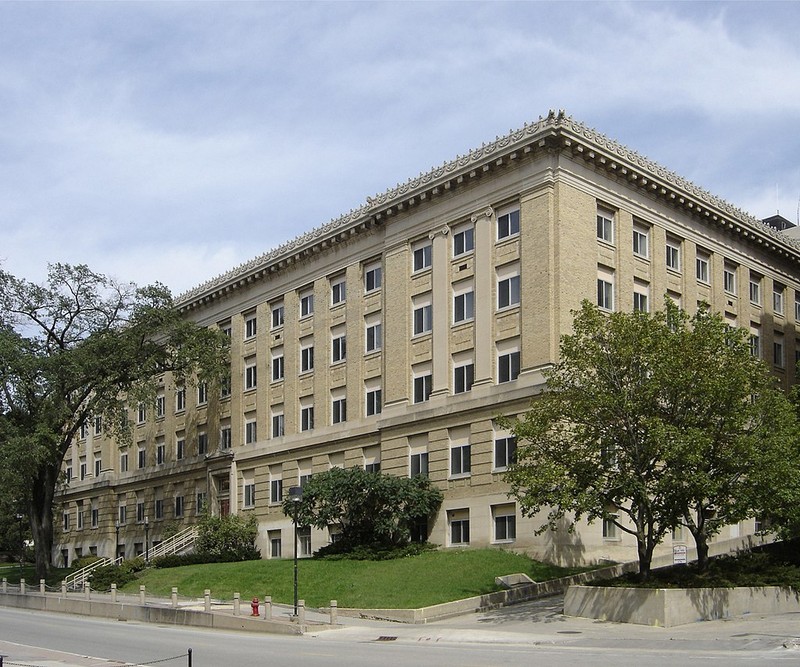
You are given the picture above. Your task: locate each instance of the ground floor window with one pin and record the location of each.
(458, 521)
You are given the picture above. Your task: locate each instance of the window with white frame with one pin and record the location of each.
(422, 255)
(84, 431)
(755, 289)
(304, 471)
(605, 225)
(248, 489)
(463, 372)
(338, 344)
(98, 425)
(423, 314)
(275, 484)
(79, 515)
(641, 296)
(423, 383)
(729, 278)
(140, 510)
(274, 543)
(225, 387)
(504, 518)
(159, 506)
(202, 443)
(123, 462)
(702, 262)
(797, 307)
(179, 506)
(507, 224)
(373, 277)
(65, 521)
(338, 290)
(278, 423)
(201, 500)
(373, 333)
(306, 303)
(250, 373)
(610, 529)
(673, 254)
(180, 448)
(250, 325)
(508, 360)
(277, 314)
(202, 393)
(141, 457)
(641, 241)
(161, 452)
(304, 540)
(418, 462)
(458, 521)
(778, 356)
(98, 464)
(307, 413)
(460, 460)
(278, 368)
(372, 458)
(141, 413)
(161, 406)
(777, 298)
(338, 406)
(463, 302)
(95, 513)
(505, 451)
(605, 288)
(508, 286)
(250, 430)
(225, 441)
(122, 510)
(374, 403)
(307, 354)
(463, 240)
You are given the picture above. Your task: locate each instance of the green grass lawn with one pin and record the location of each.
(11, 572)
(404, 583)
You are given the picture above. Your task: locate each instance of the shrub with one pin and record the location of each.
(103, 577)
(229, 538)
(343, 550)
(178, 560)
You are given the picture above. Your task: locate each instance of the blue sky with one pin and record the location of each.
(173, 141)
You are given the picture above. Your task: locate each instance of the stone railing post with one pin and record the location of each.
(207, 599)
(301, 612)
(5, 585)
(41, 586)
(334, 611)
(235, 604)
(174, 597)
(113, 593)
(64, 588)
(87, 590)
(22, 586)
(141, 594)
(267, 607)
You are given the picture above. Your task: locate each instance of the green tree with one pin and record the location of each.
(73, 349)
(649, 421)
(370, 508)
(229, 538)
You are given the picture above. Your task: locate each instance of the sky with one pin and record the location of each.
(173, 141)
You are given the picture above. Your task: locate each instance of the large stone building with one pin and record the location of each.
(392, 337)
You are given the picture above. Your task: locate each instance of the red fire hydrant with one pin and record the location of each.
(254, 607)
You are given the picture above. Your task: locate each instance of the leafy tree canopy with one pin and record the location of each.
(370, 508)
(652, 421)
(78, 347)
(229, 538)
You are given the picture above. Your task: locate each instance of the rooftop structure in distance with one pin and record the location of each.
(392, 337)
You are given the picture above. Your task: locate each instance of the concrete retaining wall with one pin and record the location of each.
(667, 607)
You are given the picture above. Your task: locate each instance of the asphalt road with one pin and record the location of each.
(528, 634)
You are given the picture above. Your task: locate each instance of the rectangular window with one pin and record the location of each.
(225, 387)
(250, 375)
(673, 255)
(339, 410)
(202, 393)
(777, 351)
(755, 342)
(161, 406)
(610, 529)
(463, 241)
(276, 491)
(140, 515)
(463, 377)
(179, 506)
(755, 290)
(464, 306)
(373, 337)
(95, 517)
(304, 538)
(180, 399)
(122, 513)
(460, 460)
(225, 437)
(505, 527)
(249, 492)
(202, 443)
(418, 464)
(98, 425)
(372, 278)
(777, 299)
(374, 403)
(508, 367)
(250, 432)
(505, 452)
(701, 267)
(180, 448)
(508, 292)
(729, 279)
(641, 296)
(141, 413)
(423, 257)
(605, 290)
(277, 315)
(307, 359)
(641, 242)
(202, 500)
(84, 431)
(141, 458)
(797, 308)
(423, 385)
(274, 544)
(306, 304)
(338, 291)
(159, 508)
(84, 470)
(605, 226)
(65, 521)
(161, 453)
(508, 224)
(459, 527)
(278, 425)
(277, 365)
(306, 417)
(79, 516)
(123, 462)
(423, 319)
(250, 326)
(98, 466)
(338, 348)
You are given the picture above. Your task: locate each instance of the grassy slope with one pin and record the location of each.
(418, 581)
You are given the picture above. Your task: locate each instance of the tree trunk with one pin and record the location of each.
(41, 518)
(702, 551)
(645, 558)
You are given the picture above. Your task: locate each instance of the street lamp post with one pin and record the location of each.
(19, 518)
(146, 541)
(116, 542)
(295, 495)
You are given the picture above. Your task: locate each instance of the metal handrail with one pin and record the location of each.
(176, 544)
(77, 579)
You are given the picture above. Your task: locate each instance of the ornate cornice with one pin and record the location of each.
(555, 132)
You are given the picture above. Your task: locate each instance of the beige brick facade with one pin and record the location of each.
(428, 312)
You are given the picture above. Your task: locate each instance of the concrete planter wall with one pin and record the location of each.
(669, 607)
